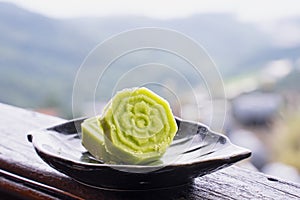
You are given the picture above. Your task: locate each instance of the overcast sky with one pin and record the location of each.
(245, 10)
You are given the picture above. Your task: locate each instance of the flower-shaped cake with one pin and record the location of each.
(138, 126)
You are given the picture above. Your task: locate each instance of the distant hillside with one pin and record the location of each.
(228, 41)
(39, 56)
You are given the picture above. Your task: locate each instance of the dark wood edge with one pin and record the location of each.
(25, 187)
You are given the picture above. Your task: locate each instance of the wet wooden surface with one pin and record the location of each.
(23, 175)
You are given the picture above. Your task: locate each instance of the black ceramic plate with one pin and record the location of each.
(195, 151)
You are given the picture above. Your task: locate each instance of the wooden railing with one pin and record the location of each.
(24, 175)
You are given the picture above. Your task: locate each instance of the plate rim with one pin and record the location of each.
(240, 155)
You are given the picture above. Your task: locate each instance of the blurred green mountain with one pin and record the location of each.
(39, 56)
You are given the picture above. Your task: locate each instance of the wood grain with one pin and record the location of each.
(24, 174)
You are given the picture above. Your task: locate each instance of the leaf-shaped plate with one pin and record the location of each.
(195, 151)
